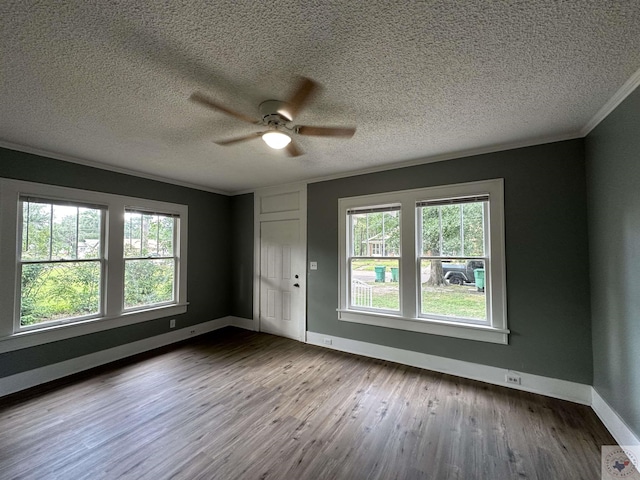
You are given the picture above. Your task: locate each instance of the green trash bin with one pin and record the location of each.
(380, 272)
(394, 274)
(478, 273)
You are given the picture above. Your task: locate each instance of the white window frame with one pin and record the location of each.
(485, 258)
(495, 329)
(113, 314)
(371, 256)
(174, 257)
(21, 263)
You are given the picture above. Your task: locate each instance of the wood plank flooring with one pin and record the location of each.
(241, 405)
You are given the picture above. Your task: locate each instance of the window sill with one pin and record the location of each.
(54, 333)
(480, 333)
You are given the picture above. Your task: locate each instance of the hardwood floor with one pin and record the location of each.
(241, 405)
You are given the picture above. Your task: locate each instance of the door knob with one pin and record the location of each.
(296, 285)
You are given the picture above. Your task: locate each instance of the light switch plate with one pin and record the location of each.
(313, 265)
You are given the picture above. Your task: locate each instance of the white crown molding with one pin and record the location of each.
(352, 173)
(104, 166)
(272, 188)
(550, 387)
(435, 158)
(627, 88)
(623, 92)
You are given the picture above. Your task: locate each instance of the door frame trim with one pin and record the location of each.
(259, 216)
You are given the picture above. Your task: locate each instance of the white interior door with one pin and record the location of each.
(281, 279)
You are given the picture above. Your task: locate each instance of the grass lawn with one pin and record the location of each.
(454, 300)
(369, 265)
(450, 300)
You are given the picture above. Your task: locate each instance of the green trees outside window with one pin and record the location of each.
(150, 263)
(452, 247)
(376, 233)
(429, 260)
(80, 261)
(375, 257)
(60, 261)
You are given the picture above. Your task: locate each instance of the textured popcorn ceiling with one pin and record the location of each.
(107, 82)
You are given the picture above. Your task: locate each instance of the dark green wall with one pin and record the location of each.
(613, 167)
(209, 288)
(242, 256)
(546, 259)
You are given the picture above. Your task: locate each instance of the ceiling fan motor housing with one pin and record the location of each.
(274, 112)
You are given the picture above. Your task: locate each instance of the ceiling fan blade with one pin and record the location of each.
(293, 150)
(305, 89)
(244, 138)
(344, 132)
(207, 102)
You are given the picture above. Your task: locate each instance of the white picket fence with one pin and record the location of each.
(361, 293)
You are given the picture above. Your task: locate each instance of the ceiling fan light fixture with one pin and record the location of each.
(276, 140)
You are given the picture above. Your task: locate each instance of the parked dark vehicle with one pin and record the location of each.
(458, 273)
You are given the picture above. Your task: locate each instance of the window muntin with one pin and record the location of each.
(150, 259)
(61, 262)
(79, 251)
(374, 260)
(453, 227)
(452, 240)
(481, 248)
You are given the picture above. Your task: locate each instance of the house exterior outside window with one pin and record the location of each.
(71, 265)
(429, 260)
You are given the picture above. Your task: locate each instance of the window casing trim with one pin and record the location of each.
(495, 329)
(20, 263)
(432, 326)
(175, 257)
(113, 314)
(486, 258)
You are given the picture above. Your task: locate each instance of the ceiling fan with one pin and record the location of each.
(278, 116)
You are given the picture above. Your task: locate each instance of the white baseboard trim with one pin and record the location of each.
(562, 389)
(246, 323)
(38, 376)
(551, 387)
(616, 426)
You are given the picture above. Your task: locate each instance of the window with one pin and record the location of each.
(452, 258)
(374, 257)
(74, 262)
(61, 260)
(150, 260)
(449, 279)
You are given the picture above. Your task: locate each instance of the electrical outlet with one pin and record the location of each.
(513, 378)
(327, 341)
(313, 265)
(172, 323)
